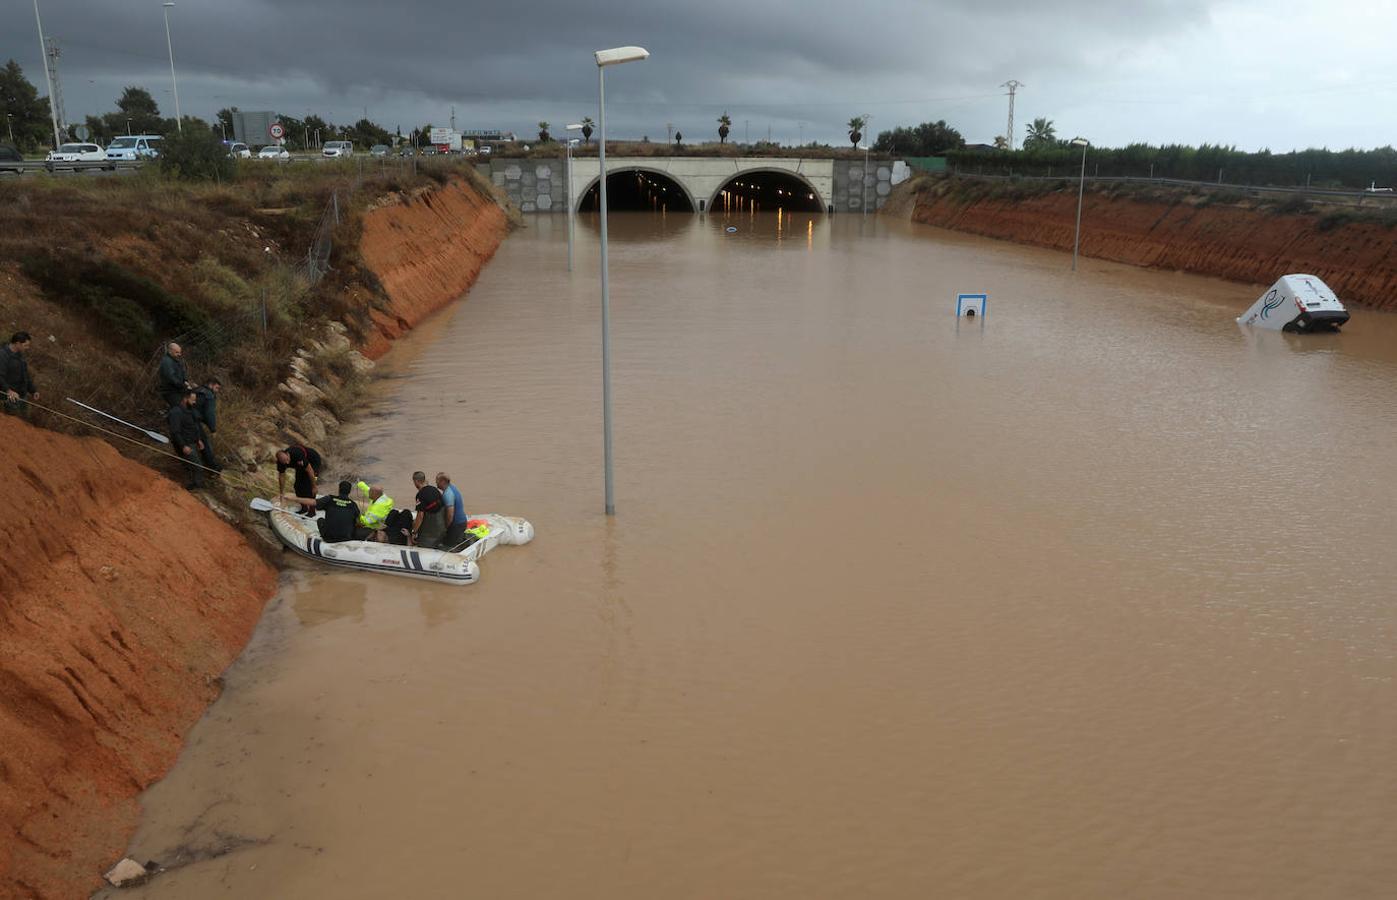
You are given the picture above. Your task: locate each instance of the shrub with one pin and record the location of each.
(195, 154)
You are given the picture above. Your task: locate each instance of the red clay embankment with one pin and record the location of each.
(427, 247)
(1241, 241)
(122, 600)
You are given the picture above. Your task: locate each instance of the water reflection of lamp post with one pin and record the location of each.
(1081, 186)
(606, 58)
(169, 45)
(568, 175)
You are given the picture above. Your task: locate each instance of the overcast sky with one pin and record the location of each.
(1282, 74)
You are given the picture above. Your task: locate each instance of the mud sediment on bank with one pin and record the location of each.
(427, 248)
(123, 600)
(1239, 239)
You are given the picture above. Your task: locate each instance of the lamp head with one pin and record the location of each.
(618, 55)
(574, 127)
(1080, 142)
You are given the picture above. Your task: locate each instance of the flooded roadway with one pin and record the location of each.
(1091, 598)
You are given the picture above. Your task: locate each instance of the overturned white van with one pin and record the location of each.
(1297, 303)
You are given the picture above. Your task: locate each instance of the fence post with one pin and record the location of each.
(1151, 171)
(335, 202)
(1219, 176)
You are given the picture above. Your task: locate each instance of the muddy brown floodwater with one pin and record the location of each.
(1093, 597)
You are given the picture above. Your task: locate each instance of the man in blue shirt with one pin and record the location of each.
(455, 510)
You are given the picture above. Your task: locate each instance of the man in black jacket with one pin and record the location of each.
(15, 383)
(174, 380)
(341, 514)
(187, 438)
(206, 406)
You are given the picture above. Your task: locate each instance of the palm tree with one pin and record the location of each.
(856, 129)
(1041, 133)
(543, 136)
(586, 129)
(724, 123)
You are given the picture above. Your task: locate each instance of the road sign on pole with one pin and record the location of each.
(277, 130)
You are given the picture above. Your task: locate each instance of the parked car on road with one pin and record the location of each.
(10, 159)
(74, 153)
(273, 151)
(334, 149)
(380, 150)
(131, 147)
(238, 150)
(407, 151)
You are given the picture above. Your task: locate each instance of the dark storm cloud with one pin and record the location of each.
(819, 61)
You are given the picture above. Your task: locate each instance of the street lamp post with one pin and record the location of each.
(568, 175)
(10, 125)
(44, 58)
(606, 58)
(1081, 186)
(863, 201)
(169, 45)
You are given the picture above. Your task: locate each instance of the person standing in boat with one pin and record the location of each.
(455, 512)
(430, 523)
(341, 514)
(187, 437)
(305, 461)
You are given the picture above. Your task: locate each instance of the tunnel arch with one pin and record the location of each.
(587, 202)
(817, 202)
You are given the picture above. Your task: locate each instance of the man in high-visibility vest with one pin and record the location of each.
(372, 520)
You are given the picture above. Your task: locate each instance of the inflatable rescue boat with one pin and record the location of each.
(302, 534)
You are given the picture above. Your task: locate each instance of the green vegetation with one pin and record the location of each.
(1041, 134)
(27, 114)
(196, 154)
(926, 139)
(1319, 168)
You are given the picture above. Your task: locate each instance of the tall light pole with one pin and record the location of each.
(568, 175)
(44, 57)
(1081, 186)
(169, 45)
(606, 58)
(864, 196)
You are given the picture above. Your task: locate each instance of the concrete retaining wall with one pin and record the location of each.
(541, 185)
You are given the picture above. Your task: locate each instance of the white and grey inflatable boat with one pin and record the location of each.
(302, 534)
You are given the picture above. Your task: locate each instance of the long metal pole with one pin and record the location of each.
(568, 175)
(605, 297)
(864, 201)
(169, 45)
(48, 79)
(1081, 186)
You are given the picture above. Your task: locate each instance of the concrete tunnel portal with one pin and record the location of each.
(648, 190)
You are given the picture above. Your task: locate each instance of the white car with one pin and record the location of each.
(74, 153)
(272, 151)
(335, 149)
(131, 147)
(238, 150)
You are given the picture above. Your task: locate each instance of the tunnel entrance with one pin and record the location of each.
(766, 191)
(636, 190)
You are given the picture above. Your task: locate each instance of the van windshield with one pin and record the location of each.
(122, 143)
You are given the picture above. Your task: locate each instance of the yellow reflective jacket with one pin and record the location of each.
(375, 512)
